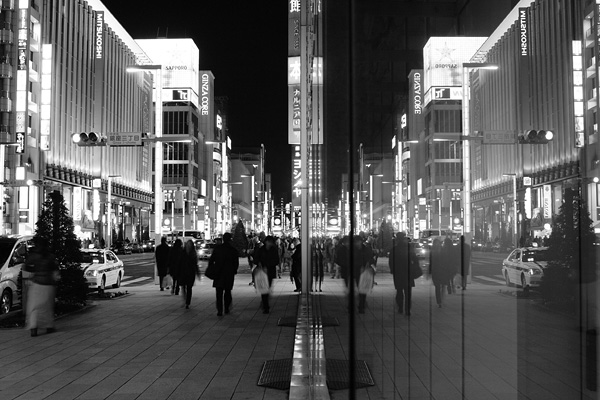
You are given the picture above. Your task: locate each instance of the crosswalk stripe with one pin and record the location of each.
(143, 278)
(485, 278)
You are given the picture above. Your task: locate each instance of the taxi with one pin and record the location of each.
(102, 268)
(525, 266)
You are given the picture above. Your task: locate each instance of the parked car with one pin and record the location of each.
(102, 268)
(121, 248)
(137, 248)
(13, 251)
(148, 245)
(525, 266)
(205, 250)
(476, 245)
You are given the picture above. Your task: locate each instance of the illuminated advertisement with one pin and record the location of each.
(180, 59)
(295, 114)
(294, 28)
(296, 175)
(523, 32)
(99, 36)
(22, 80)
(208, 120)
(443, 58)
(98, 46)
(46, 99)
(579, 123)
(415, 119)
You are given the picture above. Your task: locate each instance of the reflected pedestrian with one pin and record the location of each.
(188, 273)
(267, 258)
(225, 258)
(437, 270)
(42, 266)
(451, 257)
(176, 259)
(362, 263)
(465, 262)
(318, 267)
(402, 257)
(162, 261)
(296, 270)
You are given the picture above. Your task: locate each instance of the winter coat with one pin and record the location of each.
(227, 261)
(441, 267)
(162, 258)
(400, 261)
(176, 259)
(361, 258)
(297, 261)
(268, 259)
(189, 269)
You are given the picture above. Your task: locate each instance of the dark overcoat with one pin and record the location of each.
(226, 261)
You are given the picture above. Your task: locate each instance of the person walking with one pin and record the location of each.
(162, 260)
(362, 262)
(226, 262)
(296, 269)
(451, 257)
(188, 273)
(176, 258)
(318, 268)
(465, 262)
(328, 255)
(437, 270)
(267, 258)
(402, 258)
(42, 267)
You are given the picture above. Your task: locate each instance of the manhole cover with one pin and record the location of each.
(338, 374)
(276, 374)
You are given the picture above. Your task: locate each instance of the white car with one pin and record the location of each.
(13, 251)
(102, 268)
(525, 266)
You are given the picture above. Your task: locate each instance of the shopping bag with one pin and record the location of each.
(365, 283)
(261, 281)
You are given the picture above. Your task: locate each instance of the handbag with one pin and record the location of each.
(415, 270)
(365, 283)
(261, 281)
(212, 271)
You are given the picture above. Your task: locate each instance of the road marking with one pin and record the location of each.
(143, 278)
(485, 278)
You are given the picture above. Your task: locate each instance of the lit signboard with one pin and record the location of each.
(524, 32)
(443, 93)
(99, 36)
(547, 198)
(77, 203)
(443, 58)
(296, 175)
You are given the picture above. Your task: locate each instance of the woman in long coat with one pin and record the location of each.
(189, 271)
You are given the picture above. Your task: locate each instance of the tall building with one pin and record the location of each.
(66, 74)
(249, 194)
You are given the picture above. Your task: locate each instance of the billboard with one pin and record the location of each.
(443, 58)
(208, 119)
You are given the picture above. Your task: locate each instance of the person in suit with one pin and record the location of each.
(225, 257)
(176, 259)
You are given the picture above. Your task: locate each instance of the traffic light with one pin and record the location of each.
(536, 137)
(87, 139)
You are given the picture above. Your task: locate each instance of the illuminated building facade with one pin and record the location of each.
(67, 71)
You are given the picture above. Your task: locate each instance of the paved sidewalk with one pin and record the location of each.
(146, 346)
(481, 344)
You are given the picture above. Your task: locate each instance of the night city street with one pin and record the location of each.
(300, 199)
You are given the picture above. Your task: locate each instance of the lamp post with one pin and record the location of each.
(466, 167)
(158, 149)
(515, 238)
(109, 209)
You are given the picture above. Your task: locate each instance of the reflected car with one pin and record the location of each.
(137, 248)
(420, 249)
(13, 251)
(148, 245)
(102, 269)
(205, 250)
(525, 266)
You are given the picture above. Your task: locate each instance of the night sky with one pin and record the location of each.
(245, 46)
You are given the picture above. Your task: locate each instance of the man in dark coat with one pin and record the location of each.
(226, 260)
(402, 257)
(297, 266)
(267, 258)
(162, 260)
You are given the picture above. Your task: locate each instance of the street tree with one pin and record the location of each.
(240, 240)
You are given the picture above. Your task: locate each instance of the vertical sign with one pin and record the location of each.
(208, 120)
(46, 100)
(579, 123)
(77, 203)
(523, 32)
(22, 78)
(523, 73)
(415, 121)
(547, 199)
(98, 52)
(295, 114)
(296, 175)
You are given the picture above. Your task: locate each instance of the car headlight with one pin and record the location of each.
(91, 273)
(534, 271)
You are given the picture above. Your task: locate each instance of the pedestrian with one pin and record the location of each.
(188, 273)
(42, 268)
(342, 257)
(451, 257)
(317, 257)
(361, 263)
(465, 262)
(402, 258)
(437, 270)
(226, 262)
(267, 258)
(176, 259)
(162, 261)
(296, 270)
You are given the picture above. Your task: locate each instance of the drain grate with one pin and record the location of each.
(287, 321)
(338, 374)
(276, 374)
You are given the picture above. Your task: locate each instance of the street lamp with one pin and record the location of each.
(466, 198)
(158, 149)
(109, 209)
(514, 179)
